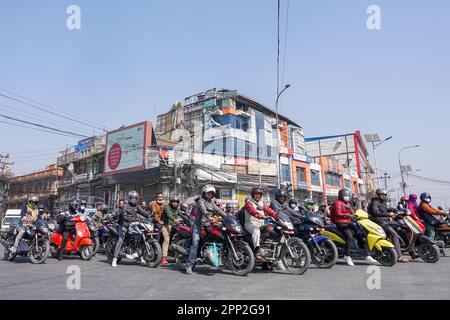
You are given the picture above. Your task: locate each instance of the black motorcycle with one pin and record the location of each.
(34, 244)
(139, 242)
(278, 243)
(324, 252)
(95, 235)
(226, 238)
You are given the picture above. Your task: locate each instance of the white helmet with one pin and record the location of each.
(208, 188)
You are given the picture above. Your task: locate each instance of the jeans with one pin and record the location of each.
(121, 235)
(431, 231)
(393, 236)
(347, 229)
(19, 236)
(193, 249)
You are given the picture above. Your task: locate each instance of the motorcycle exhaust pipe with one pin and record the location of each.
(179, 249)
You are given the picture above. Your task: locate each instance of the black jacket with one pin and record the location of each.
(128, 214)
(379, 212)
(283, 208)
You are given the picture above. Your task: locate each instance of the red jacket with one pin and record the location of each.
(266, 209)
(339, 212)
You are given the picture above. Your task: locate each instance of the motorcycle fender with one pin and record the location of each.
(333, 237)
(383, 244)
(424, 239)
(56, 238)
(317, 239)
(86, 242)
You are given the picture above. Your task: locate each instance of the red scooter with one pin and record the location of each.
(83, 245)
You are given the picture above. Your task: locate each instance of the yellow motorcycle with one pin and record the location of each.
(373, 236)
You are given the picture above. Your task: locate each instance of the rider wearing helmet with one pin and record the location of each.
(229, 209)
(431, 215)
(184, 213)
(381, 215)
(293, 204)
(255, 211)
(206, 207)
(66, 225)
(28, 216)
(309, 204)
(355, 202)
(129, 213)
(341, 213)
(324, 213)
(171, 216)
(83, 206)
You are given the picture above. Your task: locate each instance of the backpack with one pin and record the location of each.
(240, 215)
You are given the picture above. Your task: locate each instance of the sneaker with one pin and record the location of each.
(188, 270)
(13, 249)
(403, 259)
(164, 261)
(143, 260)
(114, 263)
(348, 260)
(370, 260)
(59, 256)
(132, 256)
(279, 266)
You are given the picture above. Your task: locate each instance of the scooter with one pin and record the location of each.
(82, 243)
(443, 235)
(374, 238)
(413, 240)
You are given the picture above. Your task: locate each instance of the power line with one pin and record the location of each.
(36, 129)
(43, 126)
(48, 111)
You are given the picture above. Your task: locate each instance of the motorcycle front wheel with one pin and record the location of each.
(387, 257)
(429, 252)
(86, 252)
(40, 251)
(301, 259)
(152, 254)
(245, 260)
(325, 254)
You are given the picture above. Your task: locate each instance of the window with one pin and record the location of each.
(285, 173)
(315, 178)
(348, 184)
(301, 174)
(333, 179)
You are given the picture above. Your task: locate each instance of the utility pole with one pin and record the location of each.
(386, 177)
(4, 180)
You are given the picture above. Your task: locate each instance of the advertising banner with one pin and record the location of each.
(126, 148)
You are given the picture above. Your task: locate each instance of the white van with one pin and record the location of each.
(10, 221)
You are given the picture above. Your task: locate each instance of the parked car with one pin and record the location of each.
(10, 221)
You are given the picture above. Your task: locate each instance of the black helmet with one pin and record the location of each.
(104, 208)
(74, 204)
(344, 195)
(426, 197)
(41, 208)
(256, 190)
(381, 192)
(83, 203)
(174, 199)
(229, 206)
(280, 193)
(292, 201)
(133, 197)
(184, 206)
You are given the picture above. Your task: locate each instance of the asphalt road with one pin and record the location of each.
(22, 280)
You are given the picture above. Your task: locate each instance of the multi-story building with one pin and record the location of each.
(42, 184)
(351, 151)
(237, 135)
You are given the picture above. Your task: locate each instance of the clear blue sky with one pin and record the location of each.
(131, 57)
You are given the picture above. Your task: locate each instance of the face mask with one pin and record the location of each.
(293, 206)
(346, 199)
(82, 207)
(427, 200)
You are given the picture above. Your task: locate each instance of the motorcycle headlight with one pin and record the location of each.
(289, 225)
(238, 228)
(149, 226)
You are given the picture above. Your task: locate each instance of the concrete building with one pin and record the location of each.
(350, 150)
(224, 131)
(42, 184)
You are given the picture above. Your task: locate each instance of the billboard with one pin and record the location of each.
(126, 148)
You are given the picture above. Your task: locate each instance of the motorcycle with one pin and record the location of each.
(34, 243)
(413, 240)
(139, 242)
(95, 237)
(443, 235)
(179, 232)
(324, 253)
(79, 243)
(278, 243)
(232, 252)
(371, 234)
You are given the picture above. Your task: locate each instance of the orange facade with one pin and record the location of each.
(298, 164)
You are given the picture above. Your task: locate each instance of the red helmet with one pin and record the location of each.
(403, 199)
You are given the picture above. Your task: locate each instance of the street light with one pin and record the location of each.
(400, 165)
(278, 138)
(372, 138)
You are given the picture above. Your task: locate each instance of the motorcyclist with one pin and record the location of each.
(100, 214)
(381, 215)
(355, 202)
(66, 225)
(28, 216)
(229, 209)
(293, 204)
(128, 213)
(413, 208)
(201, 215)
(184, 213)
(157, 209)
(83, 207)
(309, 204)
(432, 216)
(171, 217)
(324, 213)
(255, 211)
(341, 212)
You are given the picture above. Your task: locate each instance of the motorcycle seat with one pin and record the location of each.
(335, 230)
